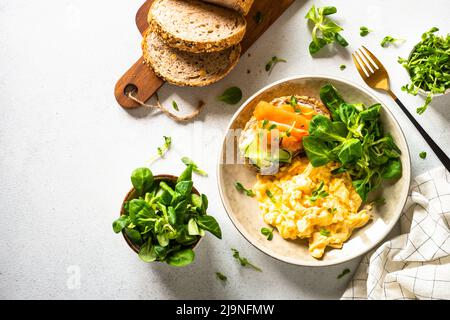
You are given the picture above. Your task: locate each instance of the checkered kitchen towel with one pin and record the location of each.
(416, 264)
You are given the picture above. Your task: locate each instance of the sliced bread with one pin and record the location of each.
(186, 68)
(243, 6)
(196, 26)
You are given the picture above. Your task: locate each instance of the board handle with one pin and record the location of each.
(141, 81)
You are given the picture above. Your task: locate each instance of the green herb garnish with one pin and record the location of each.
(270, 195)
(344, 272)
(423, 155)
(342, 67)
(272, 126)
(268, 233)
(175, 105)
(161, 151)
(318, 193)
(244, 261)
(325, 31)
(241, 188)
(195, 168)
(221, 276)
(428, 66)
(272, 62)
(364, 31)
(165, 219)
(388, 40)
(325, 232)
(353, 137)
(258, 17)
(231, 95)
(264, 123)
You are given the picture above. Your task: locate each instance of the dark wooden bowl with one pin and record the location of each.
(132, 195)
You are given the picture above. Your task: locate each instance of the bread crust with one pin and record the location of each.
(177, 42)
(242, 6)
(233, 59)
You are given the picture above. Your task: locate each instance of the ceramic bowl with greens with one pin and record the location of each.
(164, 217)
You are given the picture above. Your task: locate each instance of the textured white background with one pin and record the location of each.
(67, 148)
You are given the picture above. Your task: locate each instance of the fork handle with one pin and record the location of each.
(437, 150)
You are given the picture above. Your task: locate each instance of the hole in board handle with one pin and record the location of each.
(130, 88)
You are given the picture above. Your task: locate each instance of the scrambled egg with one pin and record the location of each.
(306, 202)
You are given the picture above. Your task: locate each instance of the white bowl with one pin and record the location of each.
(244, 212)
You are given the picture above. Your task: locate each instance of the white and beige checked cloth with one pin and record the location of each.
(416, 264)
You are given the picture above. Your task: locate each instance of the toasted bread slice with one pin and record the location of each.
(242, 6)
(186, 68)
(196, 26)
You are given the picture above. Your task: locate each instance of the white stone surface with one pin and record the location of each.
(67, 148)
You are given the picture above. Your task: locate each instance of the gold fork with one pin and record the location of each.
(376, 77)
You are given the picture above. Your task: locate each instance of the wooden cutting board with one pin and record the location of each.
(145, 83)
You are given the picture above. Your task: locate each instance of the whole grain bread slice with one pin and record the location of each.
(196, 26)
(186, 68)
(242, 6)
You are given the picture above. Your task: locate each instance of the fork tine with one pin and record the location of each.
(365, 62)
(360, 69)
(374, 59)
(368, 59)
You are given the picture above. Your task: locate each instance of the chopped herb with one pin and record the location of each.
(258, 17)
(195, 168)
(332, 210)
(423, 155)
(293, 102)
(318, 193)
(231, 95)
(270, 195)
(364, 31)
(344, 272)
(272, 126)
(325, 232)
(221, 276)
(268, 233)
(272, 62)
(428, 66)
(325, 31)
(163, 149)
(175, 105)
(244, 261)
(264, 123)
(241, 188)
(388, 40)
(342, 67)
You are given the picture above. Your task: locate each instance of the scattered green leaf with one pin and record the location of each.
(364, 31)
(423, 155)
(342, 67)
(231, 95)
(268, 233)
(241, 188)
(325, 31)
(195, 168)
(272, 62)
(388, 40)
(325, 232)
(175, 105)
(244, 261)
(344, 272)
(221, 276)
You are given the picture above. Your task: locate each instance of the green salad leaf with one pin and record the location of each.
(353, 137)
(268, 233)
(166, 218)
(428, 66)
(195, 168)
(364, 31)
(325, 31)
